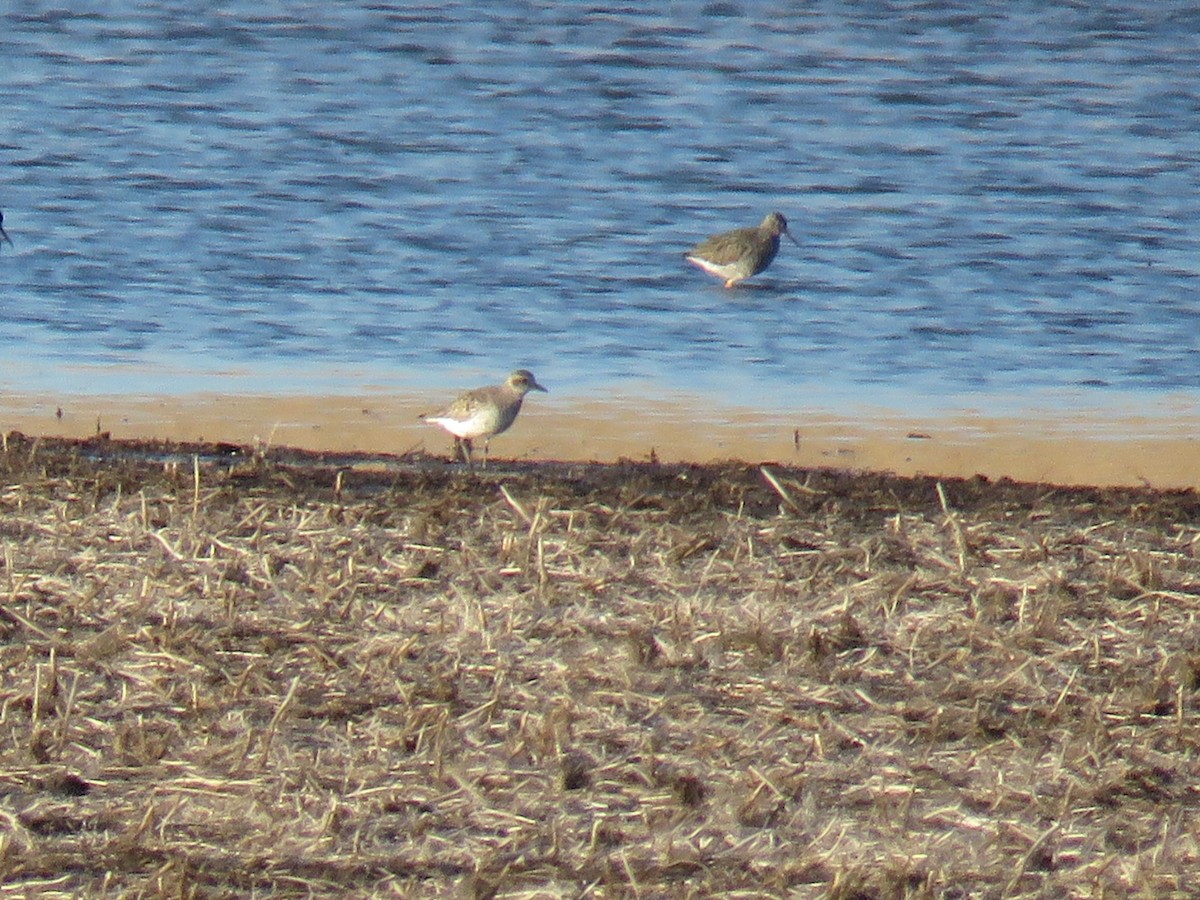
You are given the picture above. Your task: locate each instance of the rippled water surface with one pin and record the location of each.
(989, 199)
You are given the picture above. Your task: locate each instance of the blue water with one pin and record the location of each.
(991, 199)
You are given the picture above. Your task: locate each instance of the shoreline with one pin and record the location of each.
(1084, 449)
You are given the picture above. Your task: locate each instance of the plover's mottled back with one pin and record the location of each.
(738, 254)
(485, 412)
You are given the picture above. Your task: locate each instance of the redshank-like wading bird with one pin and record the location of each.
(735, 255)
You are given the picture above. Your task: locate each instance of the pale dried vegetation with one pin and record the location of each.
(289, 677)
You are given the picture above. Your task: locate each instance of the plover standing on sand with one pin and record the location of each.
(485, 412)
(738, 254)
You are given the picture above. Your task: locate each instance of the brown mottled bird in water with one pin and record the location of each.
(738, 254)
(485, 412)
(3, 233)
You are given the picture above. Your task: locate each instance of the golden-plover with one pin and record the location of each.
(485, 412)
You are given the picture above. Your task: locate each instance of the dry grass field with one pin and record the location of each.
(286, 675)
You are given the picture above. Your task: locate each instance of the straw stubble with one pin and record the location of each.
(279, 675)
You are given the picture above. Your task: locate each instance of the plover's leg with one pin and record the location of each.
(462, 450)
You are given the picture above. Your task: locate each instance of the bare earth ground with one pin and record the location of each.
(233, 673)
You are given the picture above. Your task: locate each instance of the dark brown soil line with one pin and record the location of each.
(711, 487)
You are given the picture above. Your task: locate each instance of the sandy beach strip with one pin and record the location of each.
(1157, 449)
